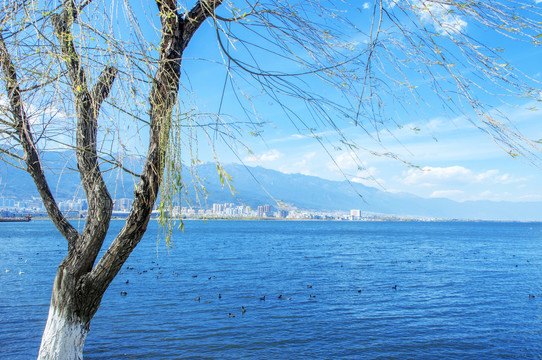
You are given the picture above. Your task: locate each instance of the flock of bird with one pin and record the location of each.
(243, 309)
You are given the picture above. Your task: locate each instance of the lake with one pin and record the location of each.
(333, 290)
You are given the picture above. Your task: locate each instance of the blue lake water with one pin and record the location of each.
(350, 290)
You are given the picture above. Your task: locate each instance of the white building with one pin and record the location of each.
(355, 214)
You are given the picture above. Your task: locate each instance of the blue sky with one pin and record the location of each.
(451, 158)
(437, 153)
(462, 164)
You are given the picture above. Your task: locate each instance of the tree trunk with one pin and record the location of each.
(63, 338)
(80, 282)
(73, 304)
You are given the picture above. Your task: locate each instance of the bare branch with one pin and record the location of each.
(196, 16)
(13, 155)
(102, 88)
(100, 204)
(31, 156)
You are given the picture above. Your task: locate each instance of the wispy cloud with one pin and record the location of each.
(346, 161)
(288, 138)
(460, 195)
(60, 126)
(303, 165)
(369, 177)
(266, 157)
(435, 176)
(441, 16)
(488, 195)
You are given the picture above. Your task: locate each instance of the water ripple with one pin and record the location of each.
(332, 291)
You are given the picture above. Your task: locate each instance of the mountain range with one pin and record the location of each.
(310, 192)
(256, 186)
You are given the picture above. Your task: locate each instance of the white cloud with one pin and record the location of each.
(491, 196)
(433, 176)
(268, 156)
(366, 5)
(50, 120)
(368, 177)
(439, 124)
(346, 161)
(428, 176)
(530, 197)
(292, 137)
(348, 164)
(302, 166)
(441, 16)
(461, 196)
(390, 3)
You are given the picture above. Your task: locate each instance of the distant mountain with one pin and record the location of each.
(310, 192)
(63, 178)
(257, 186)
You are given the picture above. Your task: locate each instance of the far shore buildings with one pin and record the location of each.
(264, 211)
(122, 206)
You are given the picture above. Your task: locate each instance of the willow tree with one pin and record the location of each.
(85, 77)
(81, 280)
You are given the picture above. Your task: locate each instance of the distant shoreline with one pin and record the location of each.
(383, 219)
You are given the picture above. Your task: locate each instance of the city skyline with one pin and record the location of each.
(300, 191)
(77, 208)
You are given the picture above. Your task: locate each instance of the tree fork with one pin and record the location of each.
(177, 32)
(87, 104)
(75, 300)
(79, 284)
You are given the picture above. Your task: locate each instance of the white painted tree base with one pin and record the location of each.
(62, 340)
